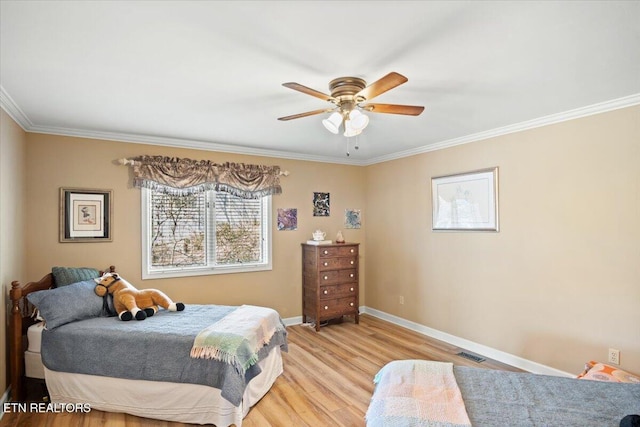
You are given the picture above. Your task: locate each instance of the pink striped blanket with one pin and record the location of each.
(417, 393)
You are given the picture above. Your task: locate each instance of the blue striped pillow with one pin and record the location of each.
(63, 276)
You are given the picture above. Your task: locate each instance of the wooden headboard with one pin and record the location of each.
(21, 319)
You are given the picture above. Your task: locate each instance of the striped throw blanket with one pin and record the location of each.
(417, 393)
(238, 336)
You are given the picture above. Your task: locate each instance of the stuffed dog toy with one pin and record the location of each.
(131, 303)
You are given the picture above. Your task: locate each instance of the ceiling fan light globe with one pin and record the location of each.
(358, 120)
(352, 132)
(349, 130)
(333, 122)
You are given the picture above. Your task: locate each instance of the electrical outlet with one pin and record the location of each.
(614, 356)
(401, 300)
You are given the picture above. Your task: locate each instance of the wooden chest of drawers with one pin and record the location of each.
(329, 282)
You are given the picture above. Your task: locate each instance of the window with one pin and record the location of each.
(204, 233)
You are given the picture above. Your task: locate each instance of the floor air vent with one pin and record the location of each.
(471, 357)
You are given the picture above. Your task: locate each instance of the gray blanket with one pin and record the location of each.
(500, 398)
(155, 349)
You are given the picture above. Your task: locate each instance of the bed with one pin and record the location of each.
(145, 368)
(427, 393)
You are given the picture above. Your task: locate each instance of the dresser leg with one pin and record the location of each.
(357, 318)
(317, 325)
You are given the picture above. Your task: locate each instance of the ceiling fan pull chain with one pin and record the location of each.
(356, 144)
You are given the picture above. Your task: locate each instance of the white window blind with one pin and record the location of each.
(238, 229)
(178, 230)
(204, 233)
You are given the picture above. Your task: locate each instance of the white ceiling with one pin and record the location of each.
(209, 75)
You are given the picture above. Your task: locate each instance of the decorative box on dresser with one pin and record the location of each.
(329, 281)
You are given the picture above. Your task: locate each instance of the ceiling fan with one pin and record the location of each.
(349, 96)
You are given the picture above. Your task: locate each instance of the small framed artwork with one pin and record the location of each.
(321, 205)
(466, 201)
(85, 215)
(287, 219)
(352, 218)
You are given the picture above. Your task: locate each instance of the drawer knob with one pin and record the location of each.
(352, 251)
(351, 262)
(326, 292)
(351, 304)
(326, 252)
(326, 264)
(351, 289)
(326, 307)
(325, 277)
(351, 275)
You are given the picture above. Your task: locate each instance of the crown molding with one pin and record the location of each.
(14, 111)
(183, 143)
(8, 104)
(602, 107)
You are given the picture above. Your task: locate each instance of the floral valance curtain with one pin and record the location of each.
(185, 176)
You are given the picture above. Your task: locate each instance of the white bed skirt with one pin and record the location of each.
(33, 367)
(186, 403)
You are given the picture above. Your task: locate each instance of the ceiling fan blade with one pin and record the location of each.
(308, 113)
(378, 87)
(409, 110)
(308, 91)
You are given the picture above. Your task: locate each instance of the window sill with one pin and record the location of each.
(204, 271)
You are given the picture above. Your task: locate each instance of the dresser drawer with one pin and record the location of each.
(338, 307)
(338, 251)
(333, 277)
(330, 282)
(335, 263)
(338, 291)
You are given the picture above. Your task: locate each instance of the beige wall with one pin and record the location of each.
(56, 161)
(12, 222)
(560, 283)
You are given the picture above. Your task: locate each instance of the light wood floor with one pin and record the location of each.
(327, 379)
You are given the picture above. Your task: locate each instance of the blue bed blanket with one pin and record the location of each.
(156, 349)
(411, 393)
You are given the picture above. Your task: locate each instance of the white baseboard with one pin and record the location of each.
(290, 321)
(480, 349)
(5, 399)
